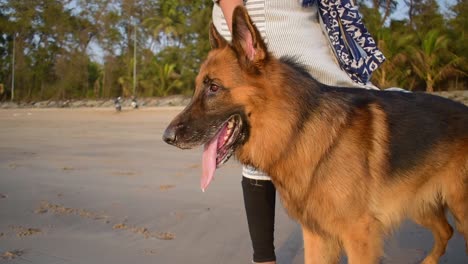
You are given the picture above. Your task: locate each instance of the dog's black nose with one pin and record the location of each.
(170, 135)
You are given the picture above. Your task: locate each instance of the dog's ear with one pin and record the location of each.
(246, 40)
(216, 40)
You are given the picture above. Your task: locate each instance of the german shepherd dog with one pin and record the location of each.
(349, 164)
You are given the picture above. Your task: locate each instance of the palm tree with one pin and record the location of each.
(432, 61)
(162, 81)
(394, 71)
(168, 25)
(167, 79)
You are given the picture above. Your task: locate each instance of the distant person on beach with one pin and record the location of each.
(118, 104)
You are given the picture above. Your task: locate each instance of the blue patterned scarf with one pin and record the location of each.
(354, 47)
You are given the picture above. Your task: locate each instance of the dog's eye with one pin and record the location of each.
(214, 87)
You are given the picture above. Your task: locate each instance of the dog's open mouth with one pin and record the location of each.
(220, 148)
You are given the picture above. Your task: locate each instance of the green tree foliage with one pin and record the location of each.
(427, 61)
(90, 48)
(93, 48)
(457, 33)
(425, 51)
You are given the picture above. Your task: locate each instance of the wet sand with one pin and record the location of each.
(95, 186)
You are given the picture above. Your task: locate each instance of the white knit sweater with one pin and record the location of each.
(290, 29)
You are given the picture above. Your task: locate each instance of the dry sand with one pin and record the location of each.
(94, 186)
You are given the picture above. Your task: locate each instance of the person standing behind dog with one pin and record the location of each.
(323, 35)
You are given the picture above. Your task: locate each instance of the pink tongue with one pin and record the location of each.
(209, 162)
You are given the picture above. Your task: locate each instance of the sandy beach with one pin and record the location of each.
(89, 185)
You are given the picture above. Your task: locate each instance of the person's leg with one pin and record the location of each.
(259, 200)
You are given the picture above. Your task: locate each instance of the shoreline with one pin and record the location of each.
(169, 101)
(159, 102)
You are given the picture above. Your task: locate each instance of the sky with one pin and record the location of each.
(402, 9)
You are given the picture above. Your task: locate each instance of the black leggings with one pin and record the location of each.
(259, 201)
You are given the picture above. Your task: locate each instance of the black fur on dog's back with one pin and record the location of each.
(410, 115)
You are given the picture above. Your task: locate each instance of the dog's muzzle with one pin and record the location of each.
(169, 135)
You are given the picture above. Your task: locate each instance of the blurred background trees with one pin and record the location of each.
(426, 49)
(68, 49)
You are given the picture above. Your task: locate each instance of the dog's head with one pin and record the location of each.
(218, 115)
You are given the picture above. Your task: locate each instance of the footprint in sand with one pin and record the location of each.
(165, 236)
(194, 166)
(120, 226)
(25, 231)
(123, 173)
(166, 187)
(179, 174)
(9, 255)
(144, 231)
(58, 209)
(13, 165)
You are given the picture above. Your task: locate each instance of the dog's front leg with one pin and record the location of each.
(319, 249)
(363, 240)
